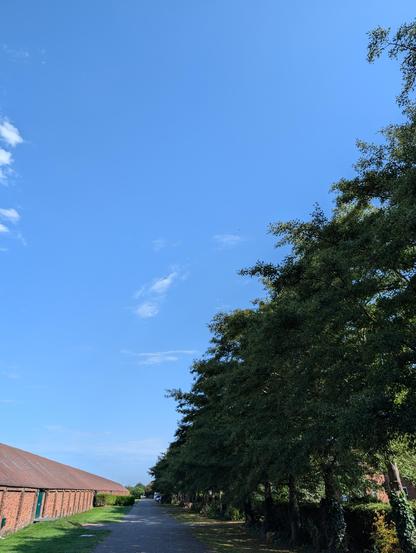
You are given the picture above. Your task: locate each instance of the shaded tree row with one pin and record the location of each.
(312, 392)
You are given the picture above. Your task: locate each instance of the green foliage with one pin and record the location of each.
(137, 491)
(315, 385)
(360, 519)
(335, 526)
(404, 520)
(232, 513)
(104, 499)
(400, 45)
(403, 451)
(384, 535)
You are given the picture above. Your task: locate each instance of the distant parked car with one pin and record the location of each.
(157, 497)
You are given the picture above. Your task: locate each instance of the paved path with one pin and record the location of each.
(148, 528)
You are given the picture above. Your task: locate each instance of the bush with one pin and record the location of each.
(360, 521)
(137, 491)
(102, 499)
(125, 500)
(384, 535)
(232, 513)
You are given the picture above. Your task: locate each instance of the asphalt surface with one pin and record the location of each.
(148, 528)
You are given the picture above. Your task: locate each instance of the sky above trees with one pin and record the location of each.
(145, 148)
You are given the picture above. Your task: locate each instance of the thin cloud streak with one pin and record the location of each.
(159, 357)
(162, 285)
(10, 375)
(154, 293)
(227, 240)
(10, 137)
(159, 244)
(98, 444)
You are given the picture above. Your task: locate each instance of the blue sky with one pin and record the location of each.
(145, 147)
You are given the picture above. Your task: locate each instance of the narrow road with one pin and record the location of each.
(148, 528)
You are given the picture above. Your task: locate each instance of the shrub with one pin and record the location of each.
(360, 520)
(210, 511)
(137, 491)
(124, 500)
(232, 513)
(102, 499)
(384, 535)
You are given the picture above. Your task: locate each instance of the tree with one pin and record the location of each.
(308, 391)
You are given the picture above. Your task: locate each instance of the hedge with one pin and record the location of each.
(359, 519)
(102, 499)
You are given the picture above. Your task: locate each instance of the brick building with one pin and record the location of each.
(34, 488)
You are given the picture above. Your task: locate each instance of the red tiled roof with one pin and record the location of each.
(21, 469)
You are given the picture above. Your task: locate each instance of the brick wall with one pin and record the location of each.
(58, 505)
(28, 506)
(18, 505)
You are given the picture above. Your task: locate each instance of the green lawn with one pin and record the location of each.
(223, 536)
(64, 535)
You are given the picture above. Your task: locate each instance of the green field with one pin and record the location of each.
(64, 535)
(222, 536)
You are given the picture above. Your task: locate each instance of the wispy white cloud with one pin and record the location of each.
(11, 375)
(54, 427)
(10, 215)
(21, 239)
(10, 137)
(146, 448)
(154, 293)
(10, 134)
(3, 229)
(99, 444)
(5, 157)
(159, 357)
(159, 244)
(227, 240)
(134, 449)
(7, 401)
(147, 310)
(15, 54)
(161, 285)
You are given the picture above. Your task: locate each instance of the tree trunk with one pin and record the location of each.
(394, 479)
(334, 522)
(220, 503)
(248, 513)
(268, 508)
(401, 511)
(294, 512)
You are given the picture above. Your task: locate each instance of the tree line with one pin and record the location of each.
(311, 393)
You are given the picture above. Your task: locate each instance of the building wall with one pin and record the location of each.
(18, 505)
(114, 492)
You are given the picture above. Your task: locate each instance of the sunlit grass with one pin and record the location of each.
(64, 535)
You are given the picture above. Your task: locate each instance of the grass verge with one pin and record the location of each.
(64, 535)
(222, 536)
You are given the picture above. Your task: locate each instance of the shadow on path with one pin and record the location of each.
(148, 528)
